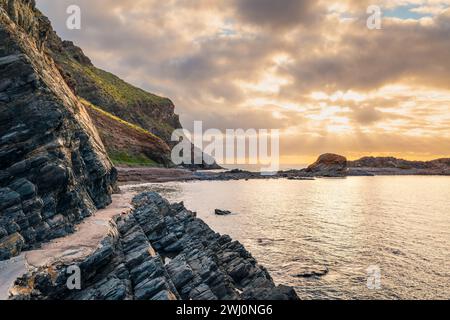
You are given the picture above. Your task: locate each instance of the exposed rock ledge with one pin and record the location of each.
(158, 251)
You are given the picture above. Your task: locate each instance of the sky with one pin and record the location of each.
(310, 68)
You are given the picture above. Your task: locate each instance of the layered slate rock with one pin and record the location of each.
(53, 166)
(158, 252)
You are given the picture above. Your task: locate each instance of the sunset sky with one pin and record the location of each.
(309, 68)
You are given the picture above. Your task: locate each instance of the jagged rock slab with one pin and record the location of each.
(54, 170)
(158, 252)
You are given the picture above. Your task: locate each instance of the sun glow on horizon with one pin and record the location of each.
(312, 69)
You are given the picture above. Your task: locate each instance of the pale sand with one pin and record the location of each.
(73, 247)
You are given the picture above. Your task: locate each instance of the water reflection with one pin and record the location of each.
(321, 236)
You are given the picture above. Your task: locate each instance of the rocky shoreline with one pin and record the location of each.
(58, 207)
(158, 251)
(327, 165)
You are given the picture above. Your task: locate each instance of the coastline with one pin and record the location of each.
(297, 228)
(73, 247)
(153, 250)
(99, 241)
(74, 226)
(136, 175)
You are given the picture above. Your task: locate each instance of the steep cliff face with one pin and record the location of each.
(54, 170)
(112, 94)
(128, 144)
(133, 105)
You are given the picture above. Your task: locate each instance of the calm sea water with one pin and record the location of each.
(361, 229)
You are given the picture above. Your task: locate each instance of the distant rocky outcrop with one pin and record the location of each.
(395, 166)
(332, 165)
(391, 162)
(54, 170)
(329, 165)
(157, 252)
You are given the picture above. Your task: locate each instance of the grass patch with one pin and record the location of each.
(112, 85)
(115, 118)
(121, 90)
(111, 93)
(122, 158)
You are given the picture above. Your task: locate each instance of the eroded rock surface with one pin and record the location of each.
(53, 166)
(329, 165)
(158, 252)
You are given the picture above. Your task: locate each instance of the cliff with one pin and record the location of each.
(126, 102)
(54, 170)
(126, 143)
(107, 91)
(159, 251)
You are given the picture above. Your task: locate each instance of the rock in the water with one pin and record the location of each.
(222, 212)
(320, 272)
(329, 165)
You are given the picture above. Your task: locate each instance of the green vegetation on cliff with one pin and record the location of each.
(127, 143)
(121, 91)
(139, 123)
(110, 93)
(135, 126)
(124, 158)
(119, 120)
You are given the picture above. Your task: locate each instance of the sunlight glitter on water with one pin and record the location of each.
(321, 236)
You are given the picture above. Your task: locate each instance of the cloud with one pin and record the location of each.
(367, 115)
(309, 68)
(358, 58)
(280, 14)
